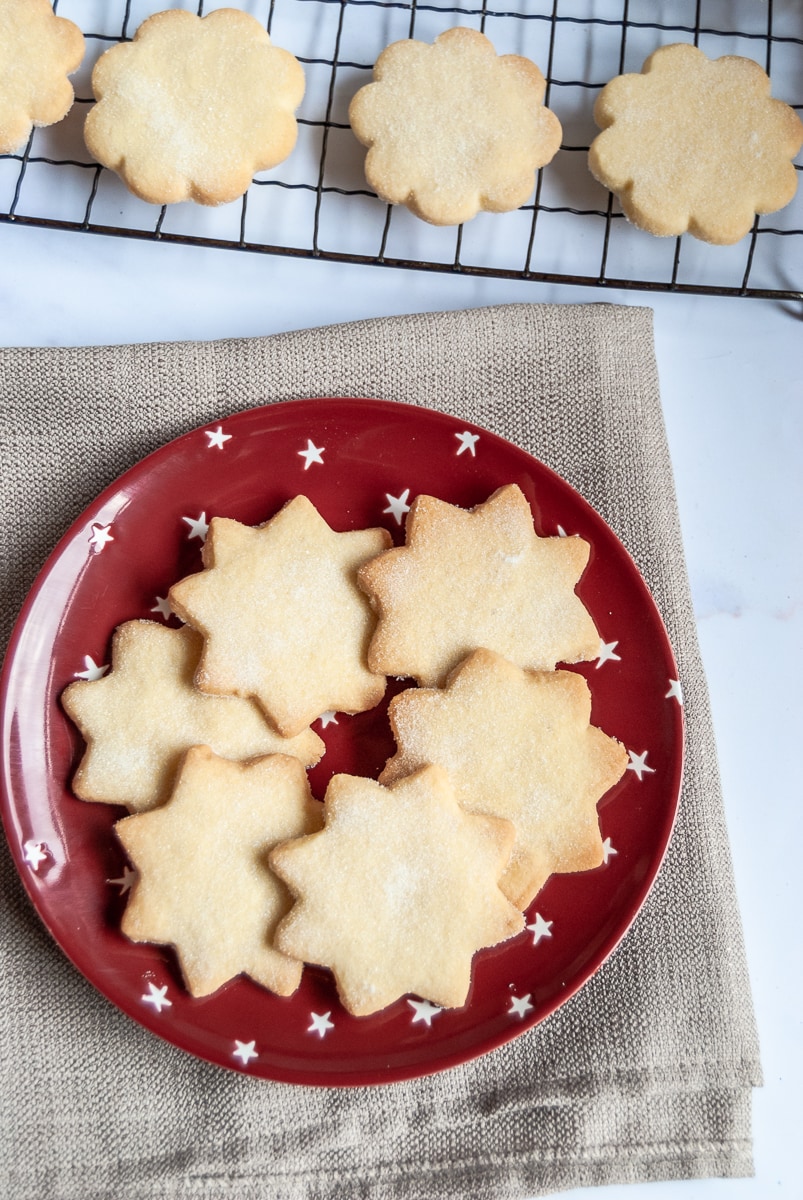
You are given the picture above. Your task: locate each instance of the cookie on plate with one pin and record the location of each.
(695, 144)
(203, 883)
(519, 745)
(453, 128)
(479, 577)
(194, 106)
(140, 718)
(397, 892)
(282, 617)
(38, 51)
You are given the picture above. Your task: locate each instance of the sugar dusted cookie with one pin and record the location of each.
(516, 744)
(471, 578)
(452, 128)
(140, 718)
(204, 885)
(282, 616)
(38, 51)
(194, 106)
(397, 892)
(695, 144)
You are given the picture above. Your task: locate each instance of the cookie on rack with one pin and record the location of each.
(282, 617)
(695, 144)
(519, 745)
(481, 577)
(38, 51)
(140, 718)
(194, 107)
(397, 892)
(203, 882)
(452, 128)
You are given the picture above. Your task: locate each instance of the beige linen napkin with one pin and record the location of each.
(646, 1074)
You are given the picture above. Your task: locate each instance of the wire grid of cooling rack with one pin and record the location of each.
(317, 204)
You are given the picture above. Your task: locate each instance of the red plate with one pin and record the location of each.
(358, 461)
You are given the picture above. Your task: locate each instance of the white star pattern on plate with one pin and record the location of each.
(312, 454)
(217, 437)
(35, 854)
(157, 997)
(607, 850)
(675, 690)
(199, 527)
(126, 880)
(92, 670)
(320, 1023)
(328, 718)
(101, 536)
(540, 929)
(162, 604)
(245, 1051)
(607, 653)
(397, 505)
(423, 1011)
(520, 1006)
(638, 763)
(468, 441)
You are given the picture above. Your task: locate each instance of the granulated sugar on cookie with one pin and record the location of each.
(282, 617)
(204, 885)
(453, 128)
(398, 892)
(140, 718)
(695, 144)
(477, 578)
(194, 107)
(516, 744)
(38, 51)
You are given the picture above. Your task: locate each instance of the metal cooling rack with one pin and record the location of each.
(317, 205)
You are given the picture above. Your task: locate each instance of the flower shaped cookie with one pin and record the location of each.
(452, 128)
(194, 106)
(37, 52)
(695, 144)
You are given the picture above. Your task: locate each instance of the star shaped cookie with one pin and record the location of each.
(38, 50)
(516, 744)
(398, 891)
(204, 885)
(471, 578)
(140, 718)
(282, 617)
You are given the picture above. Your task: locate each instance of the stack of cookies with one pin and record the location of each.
(394, 884)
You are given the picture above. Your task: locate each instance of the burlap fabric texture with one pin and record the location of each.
(645, 1075)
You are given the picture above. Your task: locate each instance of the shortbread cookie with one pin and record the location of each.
(38, 50)
(471, 578)
(397, 892)
(194, 106)
(695, 144)
(282, 616)
(140, 718)
(516, 744)
(204, 885)
(452, 128)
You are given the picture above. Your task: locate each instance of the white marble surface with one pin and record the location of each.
(732, 386)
